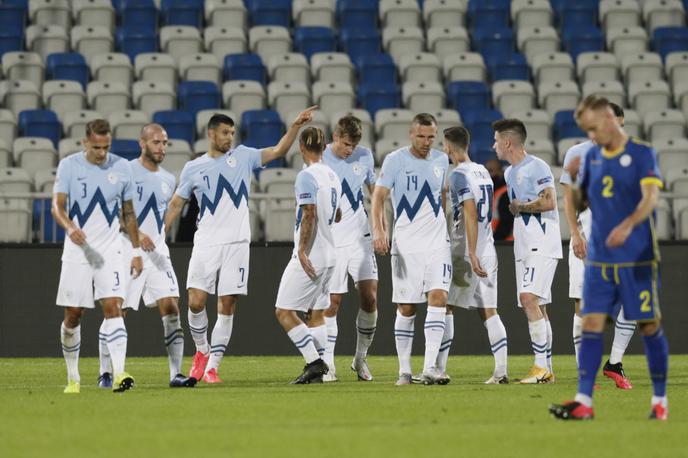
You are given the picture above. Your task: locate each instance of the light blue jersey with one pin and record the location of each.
(534, 233)
(221, 186)
(94, 199)
(579, 150)
(416, 185)
(152, 192)
(354, 171)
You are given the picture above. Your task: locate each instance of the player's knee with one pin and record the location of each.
(335, 302)
(649, 328)
(528, 301)
(369, 301)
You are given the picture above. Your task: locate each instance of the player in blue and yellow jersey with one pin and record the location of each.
(90, 190)
(620, 180)
(220, 180)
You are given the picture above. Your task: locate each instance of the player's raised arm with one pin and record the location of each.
(379, 220)
(282, 148)
(308, 224)
(59, 204)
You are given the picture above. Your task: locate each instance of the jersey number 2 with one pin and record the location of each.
(485, 199)
(645, 297)
(608, 183)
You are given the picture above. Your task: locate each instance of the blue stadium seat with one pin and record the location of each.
(581, 13)
(269, 12)
(666, 40)
(309, 40)
(40, 123)
(583, 39)
(372, 68)
(565, 126)
(357, 14)
(467, 96)
(244, 67)
(481, 151)
(128, 149)
(512, 66)
(374, 96)
(260, 129)
(178, 124)
(479, 123)
(67, 66)
(359, 41)
(12, 17)
(195, 96)
(488, 13)
(134, 41)
(52, 232)
(139, 14)
(494, 40)
(11, 40)
(182, 12)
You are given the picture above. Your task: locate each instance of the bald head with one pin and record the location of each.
(149, 129)
(153, 143)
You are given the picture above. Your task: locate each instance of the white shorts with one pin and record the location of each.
(534, 275)
(230, 260)
(82, 284)
(357, 260)
(474, 291)
(576, 270)
(297, 291)
(413, 275)
(157, 281)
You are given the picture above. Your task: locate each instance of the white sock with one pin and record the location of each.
(403, 338)
(219, 340)
(332, 331)
(447, 339)
(71, 343)
(623, 331)
(198, 326)
(577, 332)
(303, 340)
(660, 400)
(498, 344)
(434, 330)
(583, 399)
(319, 334)
(366, 323)
(549, 346)
(174, 342)
(538, 339)
(116, 335)
(103, 352)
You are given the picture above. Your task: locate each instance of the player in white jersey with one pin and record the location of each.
(580, 224)
(537, 240)
(305, 284)
(421, 257)
(474, 258)
(90, 189)
(354, 165)
(157, 284)
(220, 180)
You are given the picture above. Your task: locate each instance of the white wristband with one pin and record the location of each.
(137, 253)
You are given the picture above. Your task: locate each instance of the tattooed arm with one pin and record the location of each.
(307, 234)
(546, 201)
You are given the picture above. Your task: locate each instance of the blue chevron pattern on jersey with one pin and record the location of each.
(224, 185)
(411, 211)
(526, 216)
(151, 205)
(348, 193)
(97, 199)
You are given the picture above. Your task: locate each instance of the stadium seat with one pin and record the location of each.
(221, 41)
(139, 15)
(485, 14)
(632, 123)
(10, 39)
(288, 97)
(580, 14)
(649, 96)
(320, 119)
(332, 66)
(311, 40)
(126, 125)
(279, 220)
(399, 41)
(597, 66)
(16, 221)
(464, 66)
(156, 67)
(564, 145)
(194, 96)
(357, 13)
(63, 96)
(443, 13)
(19, 65)
(178, 124)
(199, 67)
(676, 67)
(444, 41)
(583, 39)
(261, 128)
(180, 40)
(646, 66)
(133, 41)
(466, 96)
(15, 180)
(446, 118)
(289, 67)
(127, 149)
(182, 12)
(244, 67)
(681, 97)
(555, 96)
(44, 180)
(278, 181)
(201, 146)
(494, 41)
(91, 41)
(619, 13)
(479, 124)
(51, 12)
(553, 66)
(666, 40)
(509, 96)
(420, 67)
(267, 40)
(399, 13)
(203, 116)
(377, 95)
(393, 124)
(333, 96)
(313, 13)
(20, 96)
(46, 39)
(565, 126)
(510, 66)
(13, 18)
(40, 123)
(243, 95)
(34, 153)
(663, 13)
(177, 154)
(112, 67)
(542, 148)
(269, 12)
(612, 90)
(226, 13)
(67, 66)
(107, 97)
(672, 160)
(533, 41)
(423, 96)
(74, 122)
(357, 42)
(8, 128)
(94, 13)
(385, 146)
(538, 123)
(531, 13)
(481, 151)
(376, 68)
(664, 124)
(626, 40)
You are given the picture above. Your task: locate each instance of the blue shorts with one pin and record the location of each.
(635, 287)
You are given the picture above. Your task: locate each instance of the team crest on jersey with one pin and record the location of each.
(357, 168)
(112, 178)
(625, 160)
(231, 161)
(438, 171)
(165, 189)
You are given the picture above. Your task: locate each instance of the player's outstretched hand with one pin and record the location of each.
(307, 265)
(477, 268)
(381, 243)
(573, 168)
(305, 116)
(513, 207)
(76, 235)
(136, 266)
(619, 234)
(146, 242)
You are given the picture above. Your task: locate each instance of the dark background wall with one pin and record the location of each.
(30, 320)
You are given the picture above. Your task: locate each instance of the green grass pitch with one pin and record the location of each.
(256, 414)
